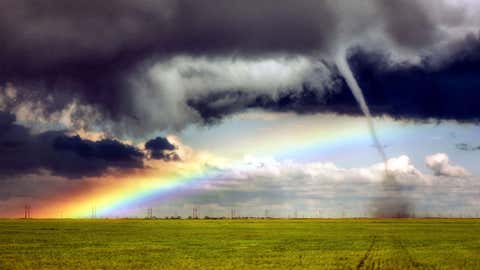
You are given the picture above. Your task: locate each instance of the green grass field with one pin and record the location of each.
(240, 244)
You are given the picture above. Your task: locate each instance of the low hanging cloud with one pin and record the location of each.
(63, 154)
(59, 153)
(440, 165)
(136, 67)
(162, 149)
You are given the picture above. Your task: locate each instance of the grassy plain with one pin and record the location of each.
(240, 244)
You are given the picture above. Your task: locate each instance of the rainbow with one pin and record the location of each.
(111, 195)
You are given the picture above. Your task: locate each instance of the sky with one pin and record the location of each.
(124, 105)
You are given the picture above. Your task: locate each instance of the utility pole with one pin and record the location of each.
(94, 212)
(28, 208)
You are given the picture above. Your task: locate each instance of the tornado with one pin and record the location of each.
(390, 202)
(357, 92)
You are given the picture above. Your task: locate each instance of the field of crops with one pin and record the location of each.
(240, 244)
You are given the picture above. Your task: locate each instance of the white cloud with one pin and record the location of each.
(321, 173)
(440, 165)
(283, 186)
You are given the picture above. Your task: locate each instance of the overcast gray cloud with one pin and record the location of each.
(116, 58)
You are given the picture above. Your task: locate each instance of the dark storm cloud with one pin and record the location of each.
(161, 148)
(305, 101)
(23, 152)
(61, 36)
(110, 151)
(88, 39)
(90, 47)
(408, 23)
(6, 120)
(57, 52)
(404, 91)
(412, 92)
